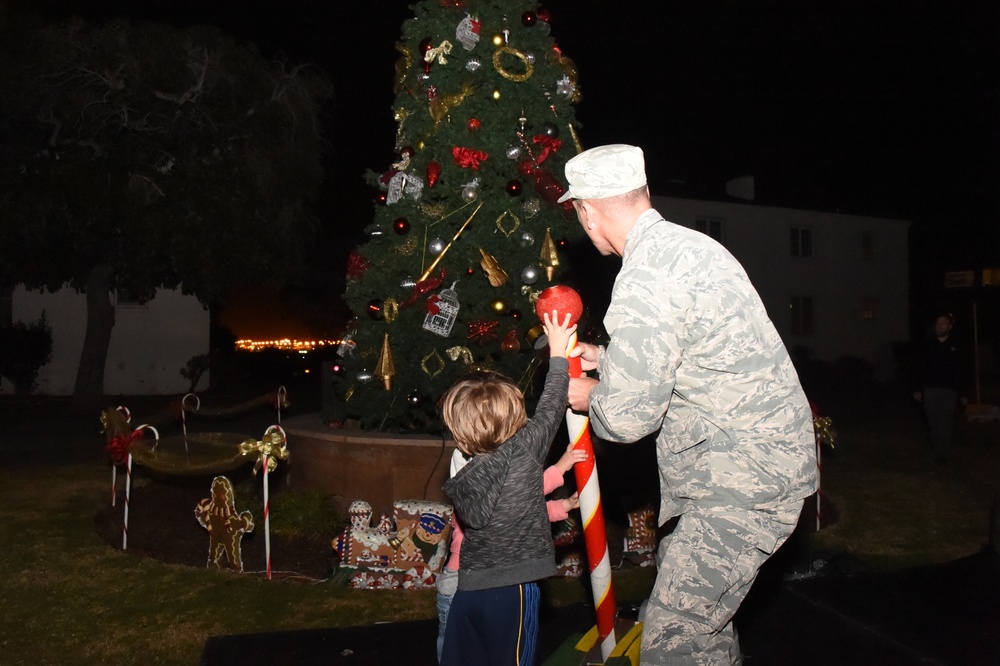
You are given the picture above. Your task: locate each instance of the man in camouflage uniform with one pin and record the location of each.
(694, 356)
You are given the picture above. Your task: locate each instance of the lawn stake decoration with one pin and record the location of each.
(824, 435)
(128, 476)
(115, 426)
(184, 410)
(567, 301)
(218, 515)
(271, 448)
(405, 551)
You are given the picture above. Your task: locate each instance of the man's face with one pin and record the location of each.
(942, 327)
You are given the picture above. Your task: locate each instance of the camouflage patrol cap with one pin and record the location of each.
(605, 171)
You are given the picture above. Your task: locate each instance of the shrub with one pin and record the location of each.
(24, 349)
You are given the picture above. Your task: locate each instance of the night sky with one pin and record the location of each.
(871, 108)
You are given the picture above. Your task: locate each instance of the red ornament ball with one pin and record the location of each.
(562, 298)
(562, 243)
(514, 187)
(374, 309)
(381, 198)
(473, 125)
(529, 18)
(470, 271)
(401, 226)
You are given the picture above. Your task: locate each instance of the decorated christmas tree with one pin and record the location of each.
(467, 227)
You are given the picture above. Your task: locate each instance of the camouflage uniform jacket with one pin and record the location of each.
(694, 355)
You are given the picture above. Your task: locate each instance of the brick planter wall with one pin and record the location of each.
(376, 467)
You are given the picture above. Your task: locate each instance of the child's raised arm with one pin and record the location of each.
(558, 333)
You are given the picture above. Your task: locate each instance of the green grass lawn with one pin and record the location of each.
(68, 597)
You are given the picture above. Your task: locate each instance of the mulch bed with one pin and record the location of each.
(162, 525)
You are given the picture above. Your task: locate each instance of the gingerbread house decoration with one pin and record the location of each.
(404, 551)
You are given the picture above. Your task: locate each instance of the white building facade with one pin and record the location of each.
(150, 343)
(834, 285)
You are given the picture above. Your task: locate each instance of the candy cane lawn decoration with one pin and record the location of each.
(128, 483)
(114, 468)
(282, 393)
(269, 449)
(197, 406)
(566, 300)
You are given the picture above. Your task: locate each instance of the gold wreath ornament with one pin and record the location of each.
(529, 67)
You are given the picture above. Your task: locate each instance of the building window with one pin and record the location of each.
(709, 227)
(801, 241)
(868, 246)
(801, 311)
(868, 308)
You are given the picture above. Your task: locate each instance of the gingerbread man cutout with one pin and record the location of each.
(225, 527)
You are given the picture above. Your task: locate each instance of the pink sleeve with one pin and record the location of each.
(456, 543)
(552, 479)
(556, 511)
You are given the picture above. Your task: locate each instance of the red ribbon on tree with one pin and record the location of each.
(467, 157)
(356, 265)
(422, 287)
(548, 144)
(119, 445)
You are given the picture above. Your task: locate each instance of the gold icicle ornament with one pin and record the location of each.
(386, 367)
(496, 275)
(549, 256)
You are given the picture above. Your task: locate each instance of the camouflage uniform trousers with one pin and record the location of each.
(706, 567)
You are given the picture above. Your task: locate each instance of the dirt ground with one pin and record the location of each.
(162, 525)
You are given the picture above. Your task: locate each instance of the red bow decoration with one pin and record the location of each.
(119, 445)
(356, 265)
(548, 144)
(467, 157)
(422, 287)
(547, 185)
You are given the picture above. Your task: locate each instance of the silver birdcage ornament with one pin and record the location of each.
(442, 309)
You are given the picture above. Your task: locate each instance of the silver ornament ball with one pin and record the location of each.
(530, 274)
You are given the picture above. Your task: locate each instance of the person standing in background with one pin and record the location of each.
(941, 379)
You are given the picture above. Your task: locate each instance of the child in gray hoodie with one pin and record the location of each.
(499, 500)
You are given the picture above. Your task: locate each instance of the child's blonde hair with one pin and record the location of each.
(483, 411)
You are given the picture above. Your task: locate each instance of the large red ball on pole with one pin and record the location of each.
(562, 298)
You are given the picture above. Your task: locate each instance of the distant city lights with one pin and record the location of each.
(286, 344)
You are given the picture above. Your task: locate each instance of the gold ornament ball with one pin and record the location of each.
(496, 93)
(498, 40)
(499, 306)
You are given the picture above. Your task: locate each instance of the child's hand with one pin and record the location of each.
(572, 502)
(558, 333)
(570, 458)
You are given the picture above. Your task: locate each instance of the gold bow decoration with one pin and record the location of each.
(272, 446)
(459, 352)
(438, 53)
(824, 432)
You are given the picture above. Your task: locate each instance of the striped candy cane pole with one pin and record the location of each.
(128, 485)
(282, 394)
(594, 532)
(197, 406)
(114, 468)
(819, 447)
(267, 507)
